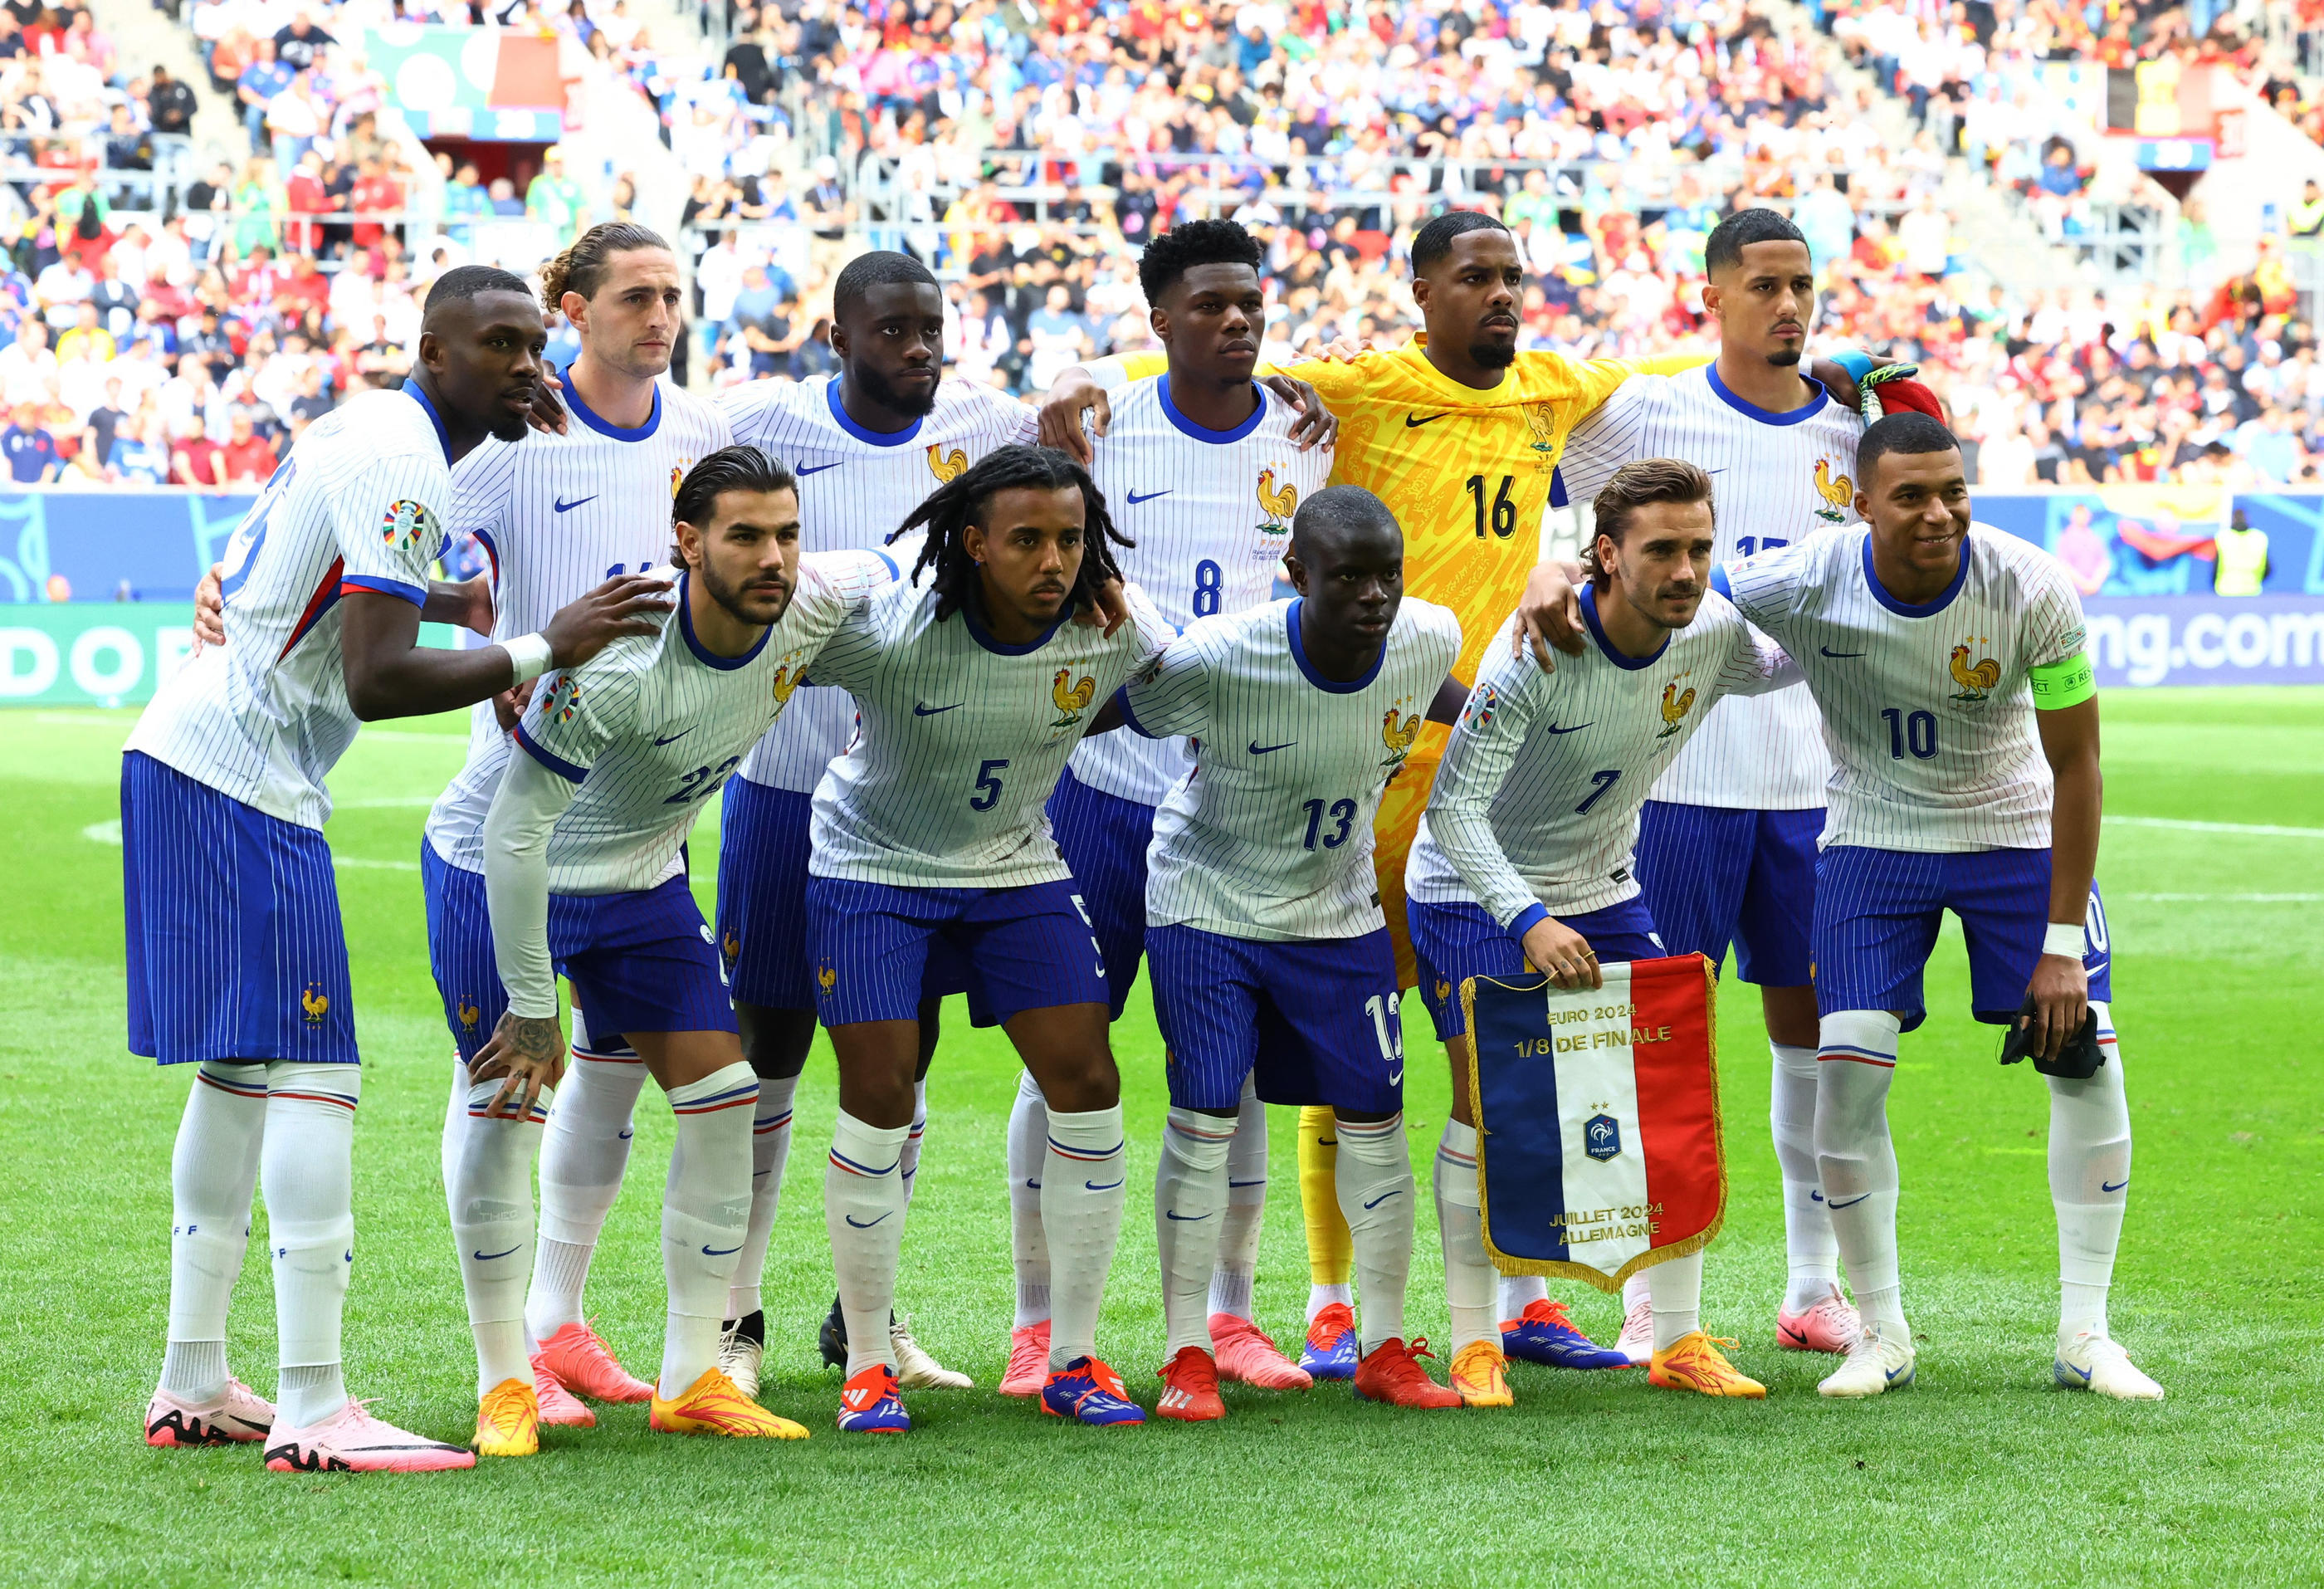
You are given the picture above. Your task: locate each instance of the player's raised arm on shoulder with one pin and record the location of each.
(1485, 741)
(1085, 389)
(1756, 666)
(1766, 588)
(1171, 694)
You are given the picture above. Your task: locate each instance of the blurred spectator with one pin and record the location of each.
(31, 450)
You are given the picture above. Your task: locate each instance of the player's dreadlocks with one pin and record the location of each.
(953, 506)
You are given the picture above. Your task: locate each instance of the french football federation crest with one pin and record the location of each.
(1541, 423)
(1073, 699)
(1976, 682)
(1836, 489)
(787, 678)
(947, 465)
(1276, 503)
(1397, 733)
(677, 476)
(1675, 707)
(405, 521)
(733, 946)
(315, 1004)
(1601, 1137)
(827, 978)
(468, 1011)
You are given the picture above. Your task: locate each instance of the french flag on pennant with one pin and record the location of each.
(1597, 1140)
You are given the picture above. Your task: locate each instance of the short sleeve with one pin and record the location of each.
(1171, 695)
(1766, 587)
(1611, 435)
(850, 577)
(390, 523)
(572, 720)
(851, 657)
(2054, 626)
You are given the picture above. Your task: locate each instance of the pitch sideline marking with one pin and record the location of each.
(2181, 824)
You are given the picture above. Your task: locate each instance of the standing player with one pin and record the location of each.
(325, 586)
(1270, 957)
(1948, 660)
(554, 512)
(1727, 843)
(930, 836)
(1525, 856)
(1201, 468)
(583, 872)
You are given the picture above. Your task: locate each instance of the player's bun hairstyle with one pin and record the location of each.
(741, 467)
(1728, 240)
(960, 502)
(469, 281)
(1635, 486)
(582, 267)
(1195, 242)
(1432, 245)
(877, 269)
(1908, 431)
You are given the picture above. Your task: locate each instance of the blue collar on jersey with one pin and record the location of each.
(1904, 609)
(1598, 632)
(605, 426)
(1187, 427)
(1299, 655)
(874, 437)
(983, 636)
(1752, 411)
(443, 436)
(703, 653)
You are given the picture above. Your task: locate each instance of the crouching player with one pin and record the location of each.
(930, 836)
(1526, 856)
(584, 873)
(1947, 661)
(1263, 924)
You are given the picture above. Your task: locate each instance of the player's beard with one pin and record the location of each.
(1493, 356)
(732, 597)
(1784, 358)
(509, 426)
(878, 389)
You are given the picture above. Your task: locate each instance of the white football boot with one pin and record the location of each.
(1875, 1363)
(2092, 1362)
(915, 1369)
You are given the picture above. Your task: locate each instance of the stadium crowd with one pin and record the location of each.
(1610, 138)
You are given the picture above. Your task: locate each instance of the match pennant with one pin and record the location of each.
(1598, 1136)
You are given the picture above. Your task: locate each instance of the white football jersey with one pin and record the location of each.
(359, 505)
(1777, 479)
(1537, 799)
(651, 727)
(1211, 512)
(1928, 708)
(947, 784)
(855, 487)
(558, 515)
(1268, 835)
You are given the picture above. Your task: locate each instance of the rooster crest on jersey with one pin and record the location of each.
(1541, 419)
(1837, 489)
(1073, 701)
(406, 521)
(733, 946)
(1278, 503)
(1397, 733)
(1975, 683)
(948, 467)
(316, 1003)
(827, 978)
(468, 1011)
(1675, 707)
(787, 678)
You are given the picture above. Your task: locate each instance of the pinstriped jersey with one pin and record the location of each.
(1927, 708)
(556, 516)
(855, 487)
(651, 727)
(359, 506)
(1211, 512)
(948, 781)
(1777, 479)
(1537, 799)
(1270, 835)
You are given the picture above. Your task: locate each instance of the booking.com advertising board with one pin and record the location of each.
(95, 587)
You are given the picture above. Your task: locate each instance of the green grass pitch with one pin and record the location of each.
(1982, 1473)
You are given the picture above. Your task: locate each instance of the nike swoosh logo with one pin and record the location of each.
(673, 738)
(2071, 1369)
(488, 1257)
(1033, 1185)
(802, 472)
(1892, 1372)
(721, 1251)
(1815, 1196)
(1183, 1218)
(1094, 1187)
(2115, 1188)
(1412, 424)
(1135, 499)
(1837, 656)
(626, 1135)
(921, 711)
(1395, 1081)
(1577, 728)
(864, 1225)
(1384, 1197)
(1258, 749)
(566, 507)
(1851, 1203)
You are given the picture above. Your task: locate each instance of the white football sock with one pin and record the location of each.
(770, 1149)
(1677, 1299)
(863, 1204)
(491, 1191)
(1028, 1244)
(1318, 1297)
(1521, 1291)
(908, 1162)
(1190, 1195)
(1082, 1201)
(211, 1174)
(306, 1165)
(1374, 1180)
(1639, 1288)
(1238, 1227)
(584, 1150)
(1855, 1158)
(1808, 1242)
(2089, 1182)
(1470, 1286)
(456, 1125)
(705, 1207)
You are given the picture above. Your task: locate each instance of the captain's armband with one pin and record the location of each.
(2066, 682)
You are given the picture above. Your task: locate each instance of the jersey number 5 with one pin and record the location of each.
(987, 787)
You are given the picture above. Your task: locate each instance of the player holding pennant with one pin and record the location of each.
(1524, 855)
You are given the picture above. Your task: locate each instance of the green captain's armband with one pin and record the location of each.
(2066, 682)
